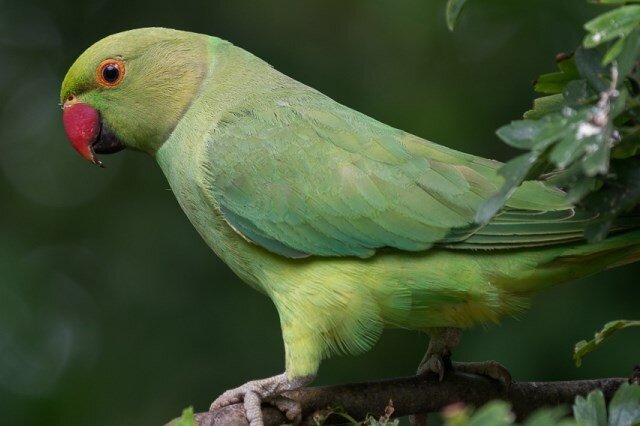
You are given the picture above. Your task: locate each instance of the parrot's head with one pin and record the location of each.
(129, 90)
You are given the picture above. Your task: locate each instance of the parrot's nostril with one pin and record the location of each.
(68, 101)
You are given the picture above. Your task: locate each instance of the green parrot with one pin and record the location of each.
(350, 226)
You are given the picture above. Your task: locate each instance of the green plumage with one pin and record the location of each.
(347, 224)
(329, 181)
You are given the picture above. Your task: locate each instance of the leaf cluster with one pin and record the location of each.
(624, 410)
(583, 133)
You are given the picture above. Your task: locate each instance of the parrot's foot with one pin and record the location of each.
(435, 363)
(266, 390)
(438, 358)
(491, 369)
(439, 365)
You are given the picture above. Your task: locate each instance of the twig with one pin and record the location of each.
(413, 395)
(601, 117)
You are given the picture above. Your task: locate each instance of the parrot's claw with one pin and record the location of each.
(291, 408)
(436, 364)
(433, 364)
(438, 359)
(253, 393)
(491, 369)
(441, 365)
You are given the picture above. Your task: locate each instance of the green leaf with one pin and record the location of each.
(613, 52)
(566, 152)
(187, 418)
(577, 93)
(567, 64)
(608, 26)
(589, 63)
(454, 8)
(554, 127)
(545, 105)
(581, 188)
(619, 193)
(514, 172)
(618, 104)
(520, 134)
(576, 138)
(624, 408)
(628, 57)
(549, 416)
(596, 159)
(536, 134)
(590, 411)
(553, 83)
(583, 347)
(494, 413)
(628, 147)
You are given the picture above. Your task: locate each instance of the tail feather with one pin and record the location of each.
(632, 258)
(513, 229)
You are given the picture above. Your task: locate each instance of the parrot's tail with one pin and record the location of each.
(634, 256)
(617, 250)
(580, 260)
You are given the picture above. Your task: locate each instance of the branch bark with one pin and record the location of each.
(417, 394)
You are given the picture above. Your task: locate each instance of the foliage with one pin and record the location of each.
(624, 410)
(494, 413)
(186, 419)
(583, 134)
(454, 8)
(583, 347)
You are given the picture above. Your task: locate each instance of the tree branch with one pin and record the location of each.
(413, 395)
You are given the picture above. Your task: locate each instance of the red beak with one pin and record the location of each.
(82, 125)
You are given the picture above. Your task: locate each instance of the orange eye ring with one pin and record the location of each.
(110, 72)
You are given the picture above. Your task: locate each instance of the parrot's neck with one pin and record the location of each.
(230, 83)
(178, 160)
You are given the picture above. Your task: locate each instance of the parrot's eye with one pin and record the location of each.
(110, 72)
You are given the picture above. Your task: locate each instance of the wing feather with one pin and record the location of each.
(300, 175)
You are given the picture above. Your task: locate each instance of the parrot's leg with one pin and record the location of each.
(438, 358)
(303, 353)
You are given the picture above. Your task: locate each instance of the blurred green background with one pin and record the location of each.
(112, 309)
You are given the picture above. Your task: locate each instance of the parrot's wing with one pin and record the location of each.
(301, 175)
